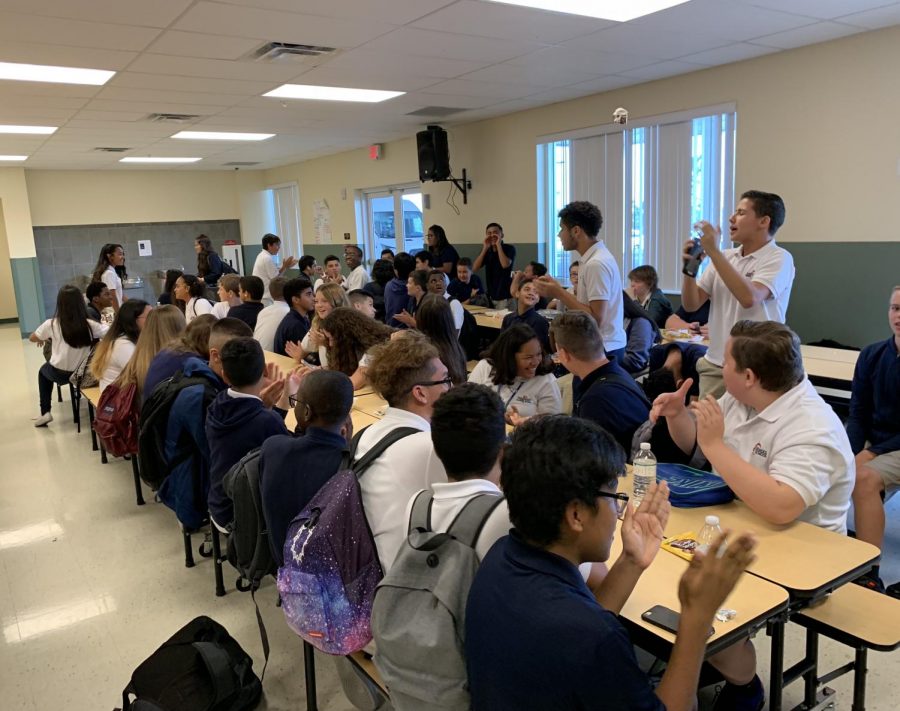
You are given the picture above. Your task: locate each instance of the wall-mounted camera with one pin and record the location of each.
(620, 116)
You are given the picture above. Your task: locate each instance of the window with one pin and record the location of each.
(380, 211)
(282, 206)
(652, 182)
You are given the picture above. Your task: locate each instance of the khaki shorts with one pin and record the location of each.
(888, 465)
(711, 381)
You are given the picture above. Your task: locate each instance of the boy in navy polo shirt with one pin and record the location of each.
(527, 301)
(536, 637)
(466, 284)
(298, 293)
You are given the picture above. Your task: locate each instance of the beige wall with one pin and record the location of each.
(16, 212)
(819, 125)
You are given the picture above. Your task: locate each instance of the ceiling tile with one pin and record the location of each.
(36, 88)
(396, 12)
(198, 44)
(661, 70)
(822, 9)
(390, 81)
(24, 101)
(498, 91)
(810, 34)
(427, 43)
(164, 82)
(875, 19)
(510, 22)
(216, 68)
(159, 13)
(582, 59)
(394, 61)
(630, 40)
(51, 31)
(40, 53)
(210, 101)
(535, 73)
(736, 52)
(218, 19)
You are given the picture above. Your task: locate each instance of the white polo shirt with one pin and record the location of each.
(599, 279)
(771, 266)
(799, 441)
(267, 323)
(62, 355)
(357, 279)
(536, 396)
(114, 283)
(265, 268)
(405, 468)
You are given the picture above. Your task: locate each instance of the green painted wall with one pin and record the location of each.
(27, 285)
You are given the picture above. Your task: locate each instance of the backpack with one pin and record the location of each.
(154, 418)
(228, 269)
(82, 377)
(248, 542)
(418, 618)
(116, 419)
(690, 488)
(468, 336)
(331, 564)
(199, 668)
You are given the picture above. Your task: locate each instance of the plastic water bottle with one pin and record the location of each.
(644, 469)
(708, 534)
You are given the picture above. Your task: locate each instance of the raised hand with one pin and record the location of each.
(406, 318)
(548, 287)
(643, 528)
(514, 418)
(294, 350)
(710, 421)
(710, 578)
(670, 404)
(709, 237)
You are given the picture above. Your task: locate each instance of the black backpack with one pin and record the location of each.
(248, 543)
(154, 419)
(199, 668)
(227, 268)
(468, 336)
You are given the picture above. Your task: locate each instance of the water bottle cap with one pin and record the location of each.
(712, 520)
(645, 446)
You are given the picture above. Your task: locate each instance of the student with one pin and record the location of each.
(110, 270)
(327, 299)
(237, 420)
(349, 335)
(435, 319)
(308, 268)
(209, 264)
(532, 270)
(423, 261)
(332, 274)
(353, 258)
(527, 299)
(408, 373)
(363, 302)
(251, 292)
(293, 469)
(444, 256)
(599, 290)
(387, 255)
(466, 284)
(641, 333)
(771, 437)
(118, 345)
(672, 364)
(696, 321)
(167, 295)
(498, 259)
(603, 391)
(229, 293)
(416, 288)
(270, 318)
(190, 291)
(573, 280)
(437, 284)
(264, 267)
(396, 295)
(98, 298)
(645, 286)
(382, 273)
(516, 367)
(874, 431)
(166, 345)
(298, 296)
(752, 281)
(70, 333)
(535, 636)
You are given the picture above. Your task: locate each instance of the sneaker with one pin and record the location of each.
(871, 582)
(893, 590)
(43, 420)
(731, 697)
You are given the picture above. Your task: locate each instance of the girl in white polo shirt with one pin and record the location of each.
(518, 370)
(191, 290)
(111, 256)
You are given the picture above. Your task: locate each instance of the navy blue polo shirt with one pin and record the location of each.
(538, 640)
(293, 327)
(463, 290)
(447, 254)
(538, 323)
(497, 276)
(690, 354)
(874, 405)
(610, 397)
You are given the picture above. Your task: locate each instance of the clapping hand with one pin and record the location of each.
(514, 418)
(273, 385)
(710, 422)
(670, 404)
(548, 287)
(294, 350)
(712, 576)
(406, 318)
(643, 528)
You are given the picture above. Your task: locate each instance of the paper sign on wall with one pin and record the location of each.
(144, 249)
(322, 221)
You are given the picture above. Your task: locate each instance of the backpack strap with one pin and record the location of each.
(420, 515)
(359, 467)
(218, 664)
(467, 525)
(350, 452)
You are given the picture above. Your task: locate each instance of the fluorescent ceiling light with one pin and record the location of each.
(617, 10)
(7, 158)
(148, 159)
(331, 93)
(54, 75)
(222, 136)
(28, 129)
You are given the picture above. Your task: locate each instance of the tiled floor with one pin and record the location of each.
(90, 584)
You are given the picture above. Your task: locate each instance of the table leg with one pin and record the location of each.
(91, 425)
(776, 675)
(859, 680)
(309, 669)
(811, 677)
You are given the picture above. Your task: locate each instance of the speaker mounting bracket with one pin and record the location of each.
(464, 185)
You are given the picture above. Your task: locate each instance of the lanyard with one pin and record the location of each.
(511, 397)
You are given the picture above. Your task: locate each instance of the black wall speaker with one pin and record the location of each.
(434, 155)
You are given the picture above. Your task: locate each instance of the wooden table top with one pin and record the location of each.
(838, 355)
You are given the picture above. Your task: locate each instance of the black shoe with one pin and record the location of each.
(750, 697)
(871, 582)
(893, 590)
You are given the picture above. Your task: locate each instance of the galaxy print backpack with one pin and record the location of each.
(331, 567)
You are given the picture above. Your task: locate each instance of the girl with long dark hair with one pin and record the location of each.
(434, 318)
(192, 293)
(209, 263)
(110, 270)
(167, 295)
(348, 335)
(71, 334)
(117, 347)
(443, 254)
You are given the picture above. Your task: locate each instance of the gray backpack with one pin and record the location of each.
(418, 618)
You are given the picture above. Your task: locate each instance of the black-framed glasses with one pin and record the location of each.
(448, 381)
(293, 400)
(621, 501)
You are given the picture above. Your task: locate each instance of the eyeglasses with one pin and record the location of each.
(293, 400)
(448, 381)
(620, 499)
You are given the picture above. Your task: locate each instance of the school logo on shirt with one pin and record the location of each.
(759, 451)
(525, 399)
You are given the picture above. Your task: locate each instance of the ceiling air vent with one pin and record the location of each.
(241, 163)
(172, 118)
(436, 111)
(111, 149)
(287, 52)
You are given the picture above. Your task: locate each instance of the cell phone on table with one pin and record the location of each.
(666, 618)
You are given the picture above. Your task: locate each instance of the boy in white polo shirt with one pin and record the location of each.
(752, 281)
(771, 437)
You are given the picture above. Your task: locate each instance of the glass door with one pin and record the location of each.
(391, 218)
